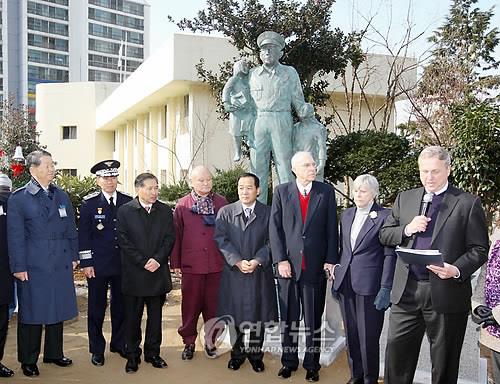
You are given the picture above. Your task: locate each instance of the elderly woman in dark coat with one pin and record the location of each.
(363, 279)
(247, 292)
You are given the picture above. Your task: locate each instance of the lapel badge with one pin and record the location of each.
(99, 211)
(100, 227)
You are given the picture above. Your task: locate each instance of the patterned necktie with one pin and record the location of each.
(248, 212)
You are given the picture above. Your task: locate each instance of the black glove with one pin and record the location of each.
(383, 299)
(482, 315)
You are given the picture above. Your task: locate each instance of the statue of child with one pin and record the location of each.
(310, 135)
(237, 101)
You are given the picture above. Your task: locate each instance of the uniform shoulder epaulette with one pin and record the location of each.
(125, 193)
(19, 189)
(92, 195)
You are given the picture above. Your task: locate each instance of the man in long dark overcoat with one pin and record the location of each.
(6, 281)
(43, 250)
(146, 235)
(247, 291)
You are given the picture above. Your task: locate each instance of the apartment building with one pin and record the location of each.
(47, 41)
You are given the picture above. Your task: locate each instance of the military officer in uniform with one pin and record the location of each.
(100, 259)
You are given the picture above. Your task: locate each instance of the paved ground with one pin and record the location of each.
(199, 370)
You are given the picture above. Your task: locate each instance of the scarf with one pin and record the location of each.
(204, 206)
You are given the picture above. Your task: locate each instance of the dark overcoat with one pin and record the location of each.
(6, 279)
(43, 241)
(142, 236)
(97, 235)
(247, 297)
(315, 239)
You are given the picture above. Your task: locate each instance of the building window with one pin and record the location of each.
(68, 172)
(69, 132)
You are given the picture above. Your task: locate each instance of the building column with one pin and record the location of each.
(120, 133)
(154, 129)
(141, 155)
(129, 163)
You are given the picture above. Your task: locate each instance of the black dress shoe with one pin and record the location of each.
(188, 352)
(156, 361)
(355, 381)
(97, 359)
(61, 362)
(5, 372)
(235, 364)
(30, 369)
(132, 365)
(312, 375)
(121, 352)
(257, 365)
(286, 372)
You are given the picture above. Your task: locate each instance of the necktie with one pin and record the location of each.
(305, 192)
(148, 208)
(248, 212)
(112, 205)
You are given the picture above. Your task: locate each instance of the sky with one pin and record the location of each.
(389, 17)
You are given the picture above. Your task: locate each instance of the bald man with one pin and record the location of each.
(197, 259)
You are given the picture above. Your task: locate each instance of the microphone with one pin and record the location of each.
(426, 201)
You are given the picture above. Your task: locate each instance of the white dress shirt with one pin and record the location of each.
(359, 220)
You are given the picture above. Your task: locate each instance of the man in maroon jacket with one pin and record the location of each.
(196, 257)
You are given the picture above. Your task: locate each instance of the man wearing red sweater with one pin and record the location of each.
(303, 237)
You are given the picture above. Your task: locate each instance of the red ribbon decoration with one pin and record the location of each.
(17, 169)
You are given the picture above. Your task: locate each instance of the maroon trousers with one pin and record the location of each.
(200, 295)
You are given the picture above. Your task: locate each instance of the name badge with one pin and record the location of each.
(62, 211)
(99, 217)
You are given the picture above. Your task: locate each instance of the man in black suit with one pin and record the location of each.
(6, 279)
(146, 236)
(433, 299)
(303, 236)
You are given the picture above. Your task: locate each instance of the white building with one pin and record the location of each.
(162, 119)
(45, 41)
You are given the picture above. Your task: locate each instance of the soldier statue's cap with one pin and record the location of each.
(271, 37)
(5, 181)
(106, 168)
